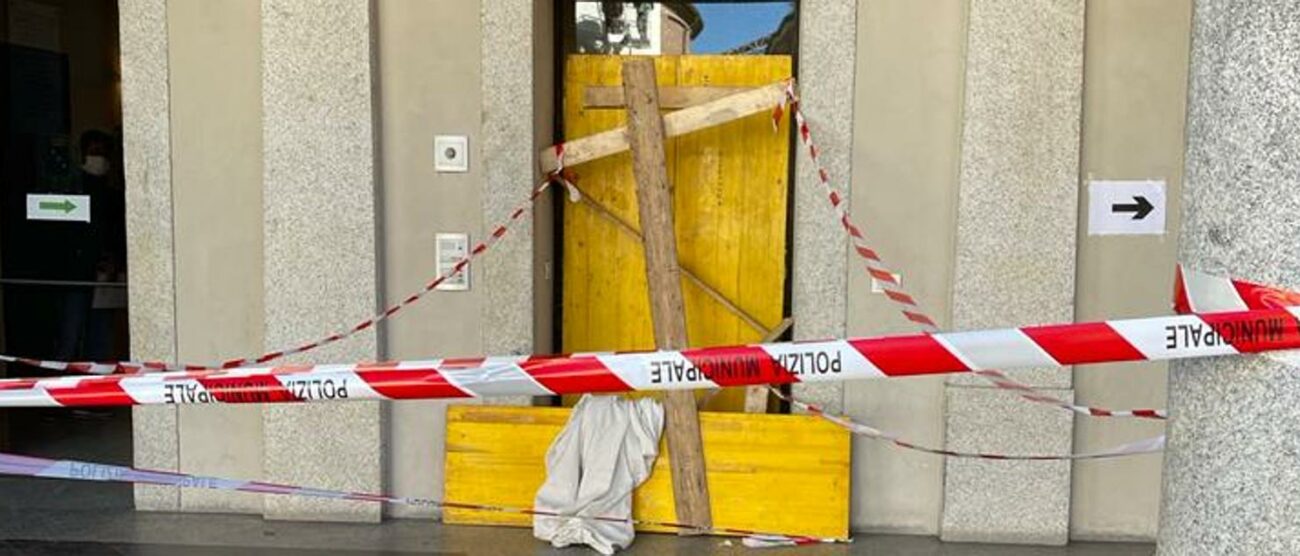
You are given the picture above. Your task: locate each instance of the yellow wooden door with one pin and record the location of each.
(730, 191)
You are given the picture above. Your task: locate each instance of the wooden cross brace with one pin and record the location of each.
(645, 136)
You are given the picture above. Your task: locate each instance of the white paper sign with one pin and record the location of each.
(71, 208)
(1126, 207)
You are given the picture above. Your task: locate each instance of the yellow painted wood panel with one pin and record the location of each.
(775, 473)
(730, 190)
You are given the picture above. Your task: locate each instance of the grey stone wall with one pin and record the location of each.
(510, 172)
(1231, 479)
(509, 168)
(827, 54)
(320, 248)
(146, 131)
(1015, 259)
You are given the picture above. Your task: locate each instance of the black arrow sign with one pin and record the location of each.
(1140, 208)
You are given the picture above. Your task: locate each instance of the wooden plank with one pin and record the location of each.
(756, 396)
(605, 302)
(605, 306)
(579, 237)
(764, 179)
(677, 123)
(606, 289)
(731, 190)
(726, 184)
(670, 98)
(697, 182)
(689, 275)
(668, 315)
(777, 473)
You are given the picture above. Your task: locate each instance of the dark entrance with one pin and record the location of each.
(62, 233)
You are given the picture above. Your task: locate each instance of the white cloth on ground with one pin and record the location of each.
(607, 448)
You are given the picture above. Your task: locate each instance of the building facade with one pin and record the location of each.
(280, 185)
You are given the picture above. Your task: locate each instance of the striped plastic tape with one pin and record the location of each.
(1200, 292)
(893, 288)
(1196, 291)
(498, 231)
(1155, 338)
(25, 466)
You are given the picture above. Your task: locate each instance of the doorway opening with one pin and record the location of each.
(731, 182)
(63, 292)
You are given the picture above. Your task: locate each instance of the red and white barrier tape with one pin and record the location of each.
(1155, 338)
(497, 233)
(1198, 292)
(11, 464)
(130, 367)
(778, 541)
(893, 290)
(873, 263)
(1144, 446)
(875, 269)
(133, 367)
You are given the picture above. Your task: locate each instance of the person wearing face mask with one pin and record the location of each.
(96, 252)
(108, 225)
(107, 229)
(95, 166)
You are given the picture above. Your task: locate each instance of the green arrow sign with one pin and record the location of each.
(58, 207)
(65, 205)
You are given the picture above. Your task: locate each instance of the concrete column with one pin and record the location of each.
(1231, 473)
(1016, 227)
(419, 202)
(827, 54)
(517, 92)
(906, 143)
(1134, 108)
(320, 266)
(146, 131)
(216, 157)
(509, 169)
(510, 172)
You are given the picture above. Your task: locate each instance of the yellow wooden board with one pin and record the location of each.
(730, 190)
(773, 473)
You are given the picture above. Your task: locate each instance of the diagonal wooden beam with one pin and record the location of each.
(681, 122)
(756, 396)
(693, 278)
